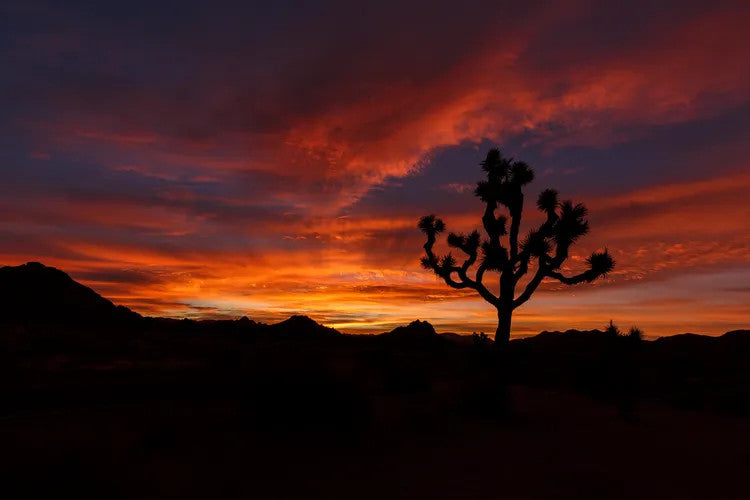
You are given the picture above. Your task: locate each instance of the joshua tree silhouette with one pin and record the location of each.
(548, 244)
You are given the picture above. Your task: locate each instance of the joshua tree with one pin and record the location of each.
(548, 245)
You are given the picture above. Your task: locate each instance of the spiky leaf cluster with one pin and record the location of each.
(501, 170)
(536, 244)
(547, 201)
(431, 225)
(447, 262)
(496, 226)
(572, 223)
(467, 243)
(505, 178)
(429, 263)
(600, 263)
(494, 256)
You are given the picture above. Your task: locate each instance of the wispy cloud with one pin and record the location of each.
(275, 161)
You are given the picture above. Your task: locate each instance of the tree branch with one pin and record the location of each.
(515, 226)
(455, 284)
(531, 286)
(544, 231)
(523, 268)
(467, 282)
(447, 272)
(481, 289)
(490, 223)
(469, 262)
(589, 275)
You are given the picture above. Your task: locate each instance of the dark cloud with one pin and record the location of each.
(188, 153)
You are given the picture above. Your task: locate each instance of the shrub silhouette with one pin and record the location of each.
(612, 329)
(624, 364)
(635, 334)
(480, 340)
(548, 245)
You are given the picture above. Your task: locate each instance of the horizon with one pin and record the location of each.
(267, 161)
(281, 319)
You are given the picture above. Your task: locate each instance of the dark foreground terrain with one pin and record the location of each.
(96, 401)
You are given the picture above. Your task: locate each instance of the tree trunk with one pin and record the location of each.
(502, 334)
(500, 396)
(505, 308)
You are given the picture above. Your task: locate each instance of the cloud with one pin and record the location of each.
(275, 159)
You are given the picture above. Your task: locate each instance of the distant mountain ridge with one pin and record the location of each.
(415, 329)
(414, 335)
(301, 327)
(38, 293)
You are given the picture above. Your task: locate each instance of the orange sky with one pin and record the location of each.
(274, 161)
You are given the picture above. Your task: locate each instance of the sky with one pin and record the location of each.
(213, 159)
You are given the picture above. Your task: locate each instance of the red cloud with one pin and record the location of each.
(238, 179)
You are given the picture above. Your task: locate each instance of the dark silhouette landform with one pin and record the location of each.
(99, 400)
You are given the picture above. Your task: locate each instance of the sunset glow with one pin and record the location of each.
(220, 162)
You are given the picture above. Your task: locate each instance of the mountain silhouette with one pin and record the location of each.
(415, 329)
(687, 341)
(465, 340)
(190, 390)
(417, 334)
(299, 327)
(33, 292)
(737, 339)
(566, 338)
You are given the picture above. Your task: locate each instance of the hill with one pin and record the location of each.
(37, 293)
(33, 293)
(416, 335)
(299, 327)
